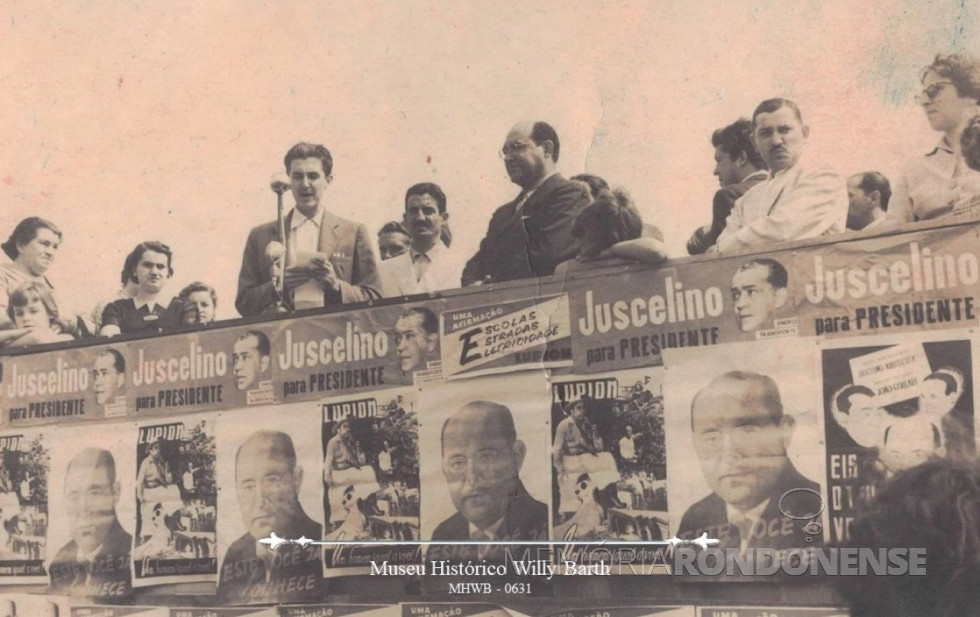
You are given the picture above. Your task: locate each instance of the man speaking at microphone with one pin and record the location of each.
(328, 260)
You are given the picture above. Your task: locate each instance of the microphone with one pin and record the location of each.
(279, 183)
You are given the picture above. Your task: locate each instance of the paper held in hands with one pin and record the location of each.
(309, 294)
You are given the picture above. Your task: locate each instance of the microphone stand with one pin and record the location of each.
(279, 186)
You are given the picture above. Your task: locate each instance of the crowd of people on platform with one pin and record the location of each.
(769, 193)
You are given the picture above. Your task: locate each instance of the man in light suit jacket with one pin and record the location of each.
(798, 201)
(531, 235)
(427, 266)
(329, 261)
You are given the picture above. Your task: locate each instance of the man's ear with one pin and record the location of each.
(120, 380)
(787, 425)
(780, 295)
(875, 197)
(445, 216)
(329, 178)
(519, 450)
(116, 493)
(431, 342)
(263, 364)
(298, 478)
(549, 148)
(806, 132)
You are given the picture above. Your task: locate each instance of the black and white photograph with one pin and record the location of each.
(371, 479)
(25, 465)
(91, 513)
(176, 500)
(270, 460)
(756, 433)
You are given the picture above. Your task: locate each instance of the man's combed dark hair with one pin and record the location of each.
(778, 277)
(961, 69)
(428, 188)
(542, 132)
(305, 150)
(736, 139)
(875, 181)
(769, 106)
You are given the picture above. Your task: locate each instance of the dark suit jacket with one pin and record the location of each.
(109, 575)
(243, 574)
(780, 532)
(346, 242)
(525, 519)
(533, 242)
(721, 206)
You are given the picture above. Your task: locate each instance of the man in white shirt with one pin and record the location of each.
(797, 202)
(427, 266)
(867, 194)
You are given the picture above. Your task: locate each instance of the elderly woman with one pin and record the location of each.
(940, 182)
(151, 266)
(610, 220)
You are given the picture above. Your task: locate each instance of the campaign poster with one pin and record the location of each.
(371, 480)
(269, 468)
(609, 470)
(70, 385)
(119, 611)
(16, 604)
(629, 611)
(176, 501)
(924, 280)
(770, 611)
(91, 512)
(247, 372)
(224, 612)
(891, 403)
(25, 465)
(628, 319)
(755, 430)
(485, 446)
(360, 351)
(456, 609)
(340, 610)
(481, 337)
(179, 373)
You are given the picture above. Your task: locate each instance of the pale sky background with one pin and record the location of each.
(166, 120)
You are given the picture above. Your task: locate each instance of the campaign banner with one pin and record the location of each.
(629, 611)
(119, 611)
(484, 443)
(82, 383)
(770, 611)
(628, 319)
(925, 280)
(360, 351)
(224, 612)
(91, 512)
(877, 429)
(269, 466)
(455, 609)
(371, 482)
(482, 337)
(340, 610)
(24, 470)
(755, 429)
(176, 500)
(609, 471)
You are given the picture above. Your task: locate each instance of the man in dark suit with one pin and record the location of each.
(96, 562)
(329, 260)
(267, 483)
(740, 437)
(481, 460)
(531, 235)
(739, 167)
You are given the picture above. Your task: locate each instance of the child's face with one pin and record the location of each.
(31, 315)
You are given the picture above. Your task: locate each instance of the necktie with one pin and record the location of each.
(481, 536)
(520, 201)
(741, 527)
(420, 262)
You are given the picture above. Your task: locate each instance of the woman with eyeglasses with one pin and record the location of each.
(940, 183)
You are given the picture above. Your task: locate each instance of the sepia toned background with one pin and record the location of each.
(124, 122)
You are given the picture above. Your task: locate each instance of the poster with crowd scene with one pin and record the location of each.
(483, 446)
(91, 512)
(176, 499)
(371, 480)
(505, 331)
(902, 283)
(25, 465)
(891, 403)
(755, 429)
(270, 469)
(82, 383)
(627, 319)
(770, 611)
(609, 470)
(359, 351)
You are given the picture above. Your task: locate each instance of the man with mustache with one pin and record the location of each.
(267, 483)
(531, 235)
(798, 201)
(481, 460)
(96, 562)
(427, 265)
(329, 261)
(740, 438)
